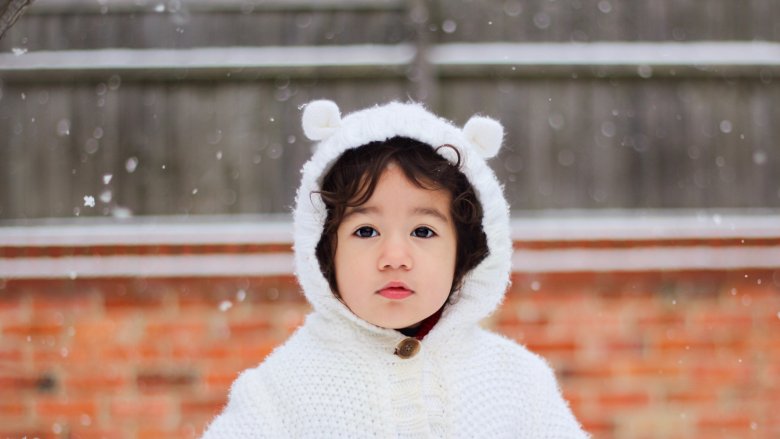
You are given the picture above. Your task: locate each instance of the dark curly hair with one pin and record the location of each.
(352, 179)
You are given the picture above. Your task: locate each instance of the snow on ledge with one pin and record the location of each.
(209, 58)
(638, 226)
(646, 259)
(603, 54)
(610, 53)
(549, 226)
(75, 267)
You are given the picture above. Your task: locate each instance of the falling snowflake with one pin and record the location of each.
(63, 127)
(131, 164)
(225, 305)
(89, 201)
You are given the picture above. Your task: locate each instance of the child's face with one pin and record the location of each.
(395, 257)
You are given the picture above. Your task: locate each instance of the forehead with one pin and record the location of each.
(393, 179)
(395, 192)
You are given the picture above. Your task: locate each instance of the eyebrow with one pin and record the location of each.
(429, 211)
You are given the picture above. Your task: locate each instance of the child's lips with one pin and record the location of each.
(395, 291)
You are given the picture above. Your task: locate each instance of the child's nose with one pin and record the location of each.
(395, 254)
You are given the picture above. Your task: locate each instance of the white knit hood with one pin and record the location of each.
(483, 287)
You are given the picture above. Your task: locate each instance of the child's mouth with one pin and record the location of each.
(395, 291)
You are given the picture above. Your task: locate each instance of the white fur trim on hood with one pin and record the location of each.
(484, 286)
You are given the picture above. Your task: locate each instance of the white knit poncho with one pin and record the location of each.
(339, 377)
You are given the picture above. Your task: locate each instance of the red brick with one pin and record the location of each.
(256, 327)
(140, 354)
(698, 397)
(88, 432)
(134, 295)
(721, 373)
(202, 406)
(169, 381)
(210, 292)
(662, 319)
(42, 324)
(154, 408)
(151, 354)
(623, 400)
(119, 353)
(29, 383)
(96, 382)
(68, 408)
(8, 407)
(11, 301)
(575, 399)
(643, 369)
(221, 379)
(582, 371)
(523, 333)
(216, 352)
(598, 426)
(10, 354)
(26, 433)
(718, 319)
(12, 411)
(552, 347)
(255, 353)
(74, 302)
(176, 331)
(770, 317)
(734, 422)
(101, 330)
(685, 343)
(51, 355)
(612, 345)
(187, 430)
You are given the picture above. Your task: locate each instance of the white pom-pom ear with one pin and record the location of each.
(320, 119)
(486, 134)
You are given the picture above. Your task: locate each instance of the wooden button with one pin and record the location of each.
(407, 348)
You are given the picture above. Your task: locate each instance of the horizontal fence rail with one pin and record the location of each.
(643, 60)
(125, 6)
(58, 24)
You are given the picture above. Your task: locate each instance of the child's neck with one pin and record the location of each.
(411, 331)
(421, 329)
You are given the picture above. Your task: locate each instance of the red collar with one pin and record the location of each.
(428, 324)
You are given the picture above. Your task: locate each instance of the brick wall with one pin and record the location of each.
(658, 355)
(640, 353)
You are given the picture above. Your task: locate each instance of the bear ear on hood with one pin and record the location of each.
(486, 134)
(320, 119)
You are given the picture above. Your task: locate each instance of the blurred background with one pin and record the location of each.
(193, 106)
(150, 152)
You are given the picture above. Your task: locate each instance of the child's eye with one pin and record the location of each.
(423, 232)
(366, 232)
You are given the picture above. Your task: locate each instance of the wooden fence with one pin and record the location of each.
(119, 109)
(90, 24)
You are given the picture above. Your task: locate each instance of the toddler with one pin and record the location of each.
(401, 239)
